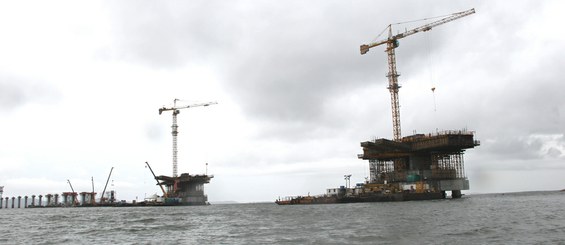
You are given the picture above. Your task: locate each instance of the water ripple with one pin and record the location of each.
(526, 218)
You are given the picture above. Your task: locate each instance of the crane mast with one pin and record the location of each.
(174, 127)
(391, 44)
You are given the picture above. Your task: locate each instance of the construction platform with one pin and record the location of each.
(417, 167)
(185, 189)
(436, 159)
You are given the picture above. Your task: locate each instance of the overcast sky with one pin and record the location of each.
(81, 84)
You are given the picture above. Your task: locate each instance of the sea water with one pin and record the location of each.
(510, 218)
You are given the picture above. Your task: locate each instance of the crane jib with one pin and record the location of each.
(365, 47)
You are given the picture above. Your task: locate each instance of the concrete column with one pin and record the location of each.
(56, 199)
(19, 201)
(32, 200)
(7, 202)
(48, 196)
(456, 194)
(1, 202)
(40, 197)
(13, 201)
(65, 199)
(25, 202)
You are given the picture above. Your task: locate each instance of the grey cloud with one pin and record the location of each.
(301, 64)
(554, 152)
(171, 34)
(303, 67)
(16, 92)
(11, 95)
(284, 63)
(154, 131)
(533, 101)
(512, 148)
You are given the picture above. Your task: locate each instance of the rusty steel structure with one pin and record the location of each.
(435, 160)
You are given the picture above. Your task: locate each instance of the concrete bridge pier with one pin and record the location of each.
(49, 199)
(456, 194)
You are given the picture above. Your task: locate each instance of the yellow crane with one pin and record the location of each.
(391, 44)
(175, 132)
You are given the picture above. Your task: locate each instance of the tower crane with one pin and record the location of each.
(391, 44)
(175, 132)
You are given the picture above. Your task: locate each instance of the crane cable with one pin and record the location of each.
(430, 61)
(424, 19)
(406, 22)
(380, 34)
(428, 41)
(431, 70)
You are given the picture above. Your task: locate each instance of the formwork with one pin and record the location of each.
(186, 189)
(435, 160)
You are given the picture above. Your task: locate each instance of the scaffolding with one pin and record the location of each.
(448, 166)
(436, 159)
